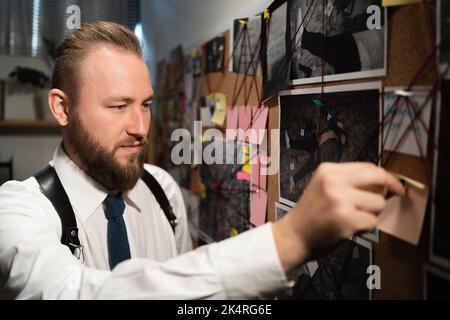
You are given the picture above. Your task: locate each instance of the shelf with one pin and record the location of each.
(26, 127)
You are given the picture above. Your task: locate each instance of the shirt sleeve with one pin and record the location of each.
(35, 265)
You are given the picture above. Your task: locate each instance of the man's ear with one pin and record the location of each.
(58, 103)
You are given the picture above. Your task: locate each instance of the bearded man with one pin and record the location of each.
(123, 242)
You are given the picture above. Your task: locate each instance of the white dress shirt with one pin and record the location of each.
(35, 265)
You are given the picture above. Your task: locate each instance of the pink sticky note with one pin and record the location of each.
(245, 119)
(243, 176)
(232, 117)
(256, 175)
(258, 208)
(259, 123)
(259, 117)
(262, 159)
(232, 123)
(259, 177)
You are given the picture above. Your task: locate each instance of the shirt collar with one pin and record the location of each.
(85, 194)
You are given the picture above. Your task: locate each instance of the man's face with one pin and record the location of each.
(108, 127)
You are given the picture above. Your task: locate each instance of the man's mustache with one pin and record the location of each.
(132, 141)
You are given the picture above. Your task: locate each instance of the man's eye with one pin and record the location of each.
(119, 107)
(147, 105)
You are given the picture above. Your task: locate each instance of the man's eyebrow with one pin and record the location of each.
(128, 99)
(121, 99)
(149, 98)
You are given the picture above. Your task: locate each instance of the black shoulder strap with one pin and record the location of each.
(161, 197)
(52, 188)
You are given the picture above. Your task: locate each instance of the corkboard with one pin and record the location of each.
(409, 45)
(237, 87)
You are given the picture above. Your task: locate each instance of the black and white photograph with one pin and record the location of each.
(280, 210)
(340, 275)
(214, 52)
(436, 283)
(246, 45)
(348, 262)
(346, 39)
(303, 274)
(443, 27)
(176, 68)
(341, 125)
(226, 206)
(274, 53)
(440, 207)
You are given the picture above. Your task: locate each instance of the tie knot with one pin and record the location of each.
(114, 206)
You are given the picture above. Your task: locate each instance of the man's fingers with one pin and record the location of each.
(366, 176)
(362, 221)
(368, 201)
(374, 176)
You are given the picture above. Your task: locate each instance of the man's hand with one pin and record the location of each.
(341, 199)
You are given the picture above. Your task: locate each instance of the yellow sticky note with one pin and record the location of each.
(220, 108)
(388, 3)
(202, 190)
(233, 232)
(246, 153)
(266, 14)
(247, 168)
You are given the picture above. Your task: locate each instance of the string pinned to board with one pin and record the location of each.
(417, 114)
(237, 93)
(226, 66)
(413, 120)
(287, 58)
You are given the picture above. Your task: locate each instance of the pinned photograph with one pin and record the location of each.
(436, 283)
(274, 58)
(225, 207)
(214, 55)
(340, 125)
(340, 275)
(406, 122)
(440, 207)
(281, 210)
(443, 35)
(344, 40)
(302, 274)
(176, 75)
(246, 45)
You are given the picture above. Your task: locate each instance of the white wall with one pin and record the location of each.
(168, 23)
(20, 101)
(29, 152)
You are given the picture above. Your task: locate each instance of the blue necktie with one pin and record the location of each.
(118, 247)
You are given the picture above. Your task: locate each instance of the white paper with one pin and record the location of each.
(400, 132)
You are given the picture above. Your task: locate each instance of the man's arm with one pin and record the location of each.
(34, 264)
(341, 199)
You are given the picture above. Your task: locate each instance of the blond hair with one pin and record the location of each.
(71, 53)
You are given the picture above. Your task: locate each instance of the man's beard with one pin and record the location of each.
(100, 163)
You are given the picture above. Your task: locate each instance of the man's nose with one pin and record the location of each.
(138, 121)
